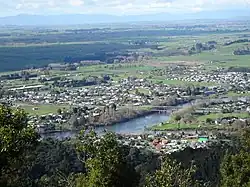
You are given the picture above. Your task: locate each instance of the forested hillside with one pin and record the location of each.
(92, 161)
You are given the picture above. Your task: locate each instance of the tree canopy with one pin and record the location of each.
(235, 169)
(105, 162)
(16, 138)
(172, 174)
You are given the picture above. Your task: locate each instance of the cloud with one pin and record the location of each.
(76, 2)
(115, 6)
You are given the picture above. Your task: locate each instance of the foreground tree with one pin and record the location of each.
(235, 169)
(171, 174)
(105, 163)
(16, 137)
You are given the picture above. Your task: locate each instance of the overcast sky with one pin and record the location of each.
(117, 7)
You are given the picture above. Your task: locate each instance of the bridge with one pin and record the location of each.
(166, 109)
(160, 109)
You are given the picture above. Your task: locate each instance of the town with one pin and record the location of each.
(194, 99)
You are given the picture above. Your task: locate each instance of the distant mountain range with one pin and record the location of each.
(73, 19)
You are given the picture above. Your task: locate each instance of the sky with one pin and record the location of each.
(115, 7)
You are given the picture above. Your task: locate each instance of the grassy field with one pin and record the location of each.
(200, 123)
(222, 56)
(43, 109)
(233, 94)
(221, 115)
(140, 90)
(179, 82)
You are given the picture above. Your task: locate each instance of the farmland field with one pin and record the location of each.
(42, 109)
(22, 49)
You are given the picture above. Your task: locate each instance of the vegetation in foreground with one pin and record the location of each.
(102, 162)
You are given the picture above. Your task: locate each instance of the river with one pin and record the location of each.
(134, 126)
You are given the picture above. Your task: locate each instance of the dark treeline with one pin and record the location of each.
(197, 48)
(238, 69)
(86, 81)
(101, 35)
(25, 57)
(237, 41)
(242, 51)
(22, 75)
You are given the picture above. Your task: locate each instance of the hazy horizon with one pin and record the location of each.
(49, 12)
(118, 7)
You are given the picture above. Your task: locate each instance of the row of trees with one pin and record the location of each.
(86, 81)
(242, 51)
(236, 42)
(199, 47)
(94, 161)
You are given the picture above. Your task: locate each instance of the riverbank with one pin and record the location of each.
(183, 127)
(125, 115)
(135, 126)
(136, 123)
(138, 114)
